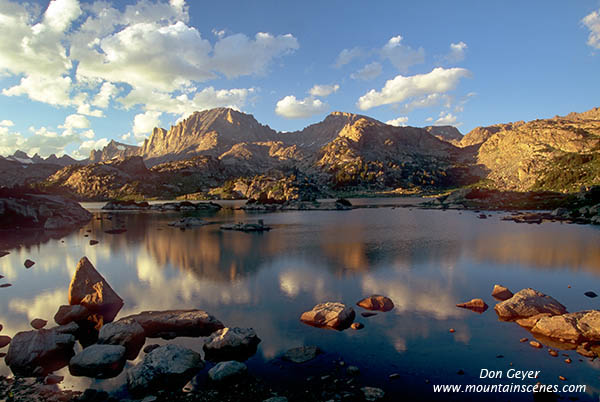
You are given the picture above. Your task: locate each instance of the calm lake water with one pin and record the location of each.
(426, 261)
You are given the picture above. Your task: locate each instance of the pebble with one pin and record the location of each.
(357, 325)
(553, 353)
(368, 314)
(4, 340)
(460, 372)
(28, 263)
(452, 330)
(5, 285)
(568, 360)
(38, 323)
(93, 242)
(560, 377)
(500, 357)
(353, 370)
(52, 379)
(536, 344)
(522, 340)
(150, 348)
(591, 294)
(393, 376)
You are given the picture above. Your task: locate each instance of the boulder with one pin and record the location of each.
(530, 322)
(228, 370)
(501, 293)
(477, 305)
(231, 344)
(33, 353)
(573, 327)
(38, 323)
(372, 393)
(301, 354)
(169, 366)
(172, 323)
(71, 313)
(329, 315)
(376, 303)
(527, 303)
(89, 289)
(128, 333)
(98, 361)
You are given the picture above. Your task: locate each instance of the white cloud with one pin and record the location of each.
(398, 122)
(323, 90)
(292, 108)
(368, 72)
(44, 141)
(7, 123)
(143, 123)
(106, 93)
(75, 121)
(347, 55)
(400, 55)
(427, 101)
(87, 110)
(61, 13)
(401, 88)
(47, 89)
(429, 119)
(592, 22)
(446, 119)
(87, 146)
(457, 52)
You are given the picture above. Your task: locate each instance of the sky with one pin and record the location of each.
(75, 74)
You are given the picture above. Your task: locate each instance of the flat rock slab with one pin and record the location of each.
(301, 354)
(527, 303)
(573, 327)
(98, 361)
(376, 303)
(231, 344)
(173, 323)
(128, 333)
(89, 289)
(167, 367)
(333, 315)
(228, 370)
(501, 293)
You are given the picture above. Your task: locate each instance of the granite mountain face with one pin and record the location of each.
(344, 152)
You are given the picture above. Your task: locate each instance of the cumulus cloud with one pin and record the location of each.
(293, 108)
(401, 88)
(400, 55)
(106, 93)
(47, 89)
(323, 90)
(7, 123)
(347, 55)
(446, 119)
(368, 72)
(75, 121)
(44, 141)
(87, 146)
(592, 22)
(143, 123)
(457, 52)
(398, 122)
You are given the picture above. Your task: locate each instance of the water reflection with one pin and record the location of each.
(425, 261)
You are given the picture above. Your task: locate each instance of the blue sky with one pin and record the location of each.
(76, 73)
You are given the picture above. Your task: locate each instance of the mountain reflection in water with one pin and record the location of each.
(426, 261)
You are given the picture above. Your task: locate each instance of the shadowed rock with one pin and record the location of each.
(166, 367)
(301, 354)
(329, 315)
(231, 344)
(91, 290)
(4, 340)
(501, 293)
(527, 303)
(173, 323)
(98, 361)
(188, 222)
(38, 323)
(376, 303)
(228, 370)
(70, 313)
(128, 333)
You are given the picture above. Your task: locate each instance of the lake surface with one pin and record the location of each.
(426, 261)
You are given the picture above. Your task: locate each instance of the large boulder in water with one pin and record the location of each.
(128, 333)
(231, 344)
(170, 324)
(170, 366)
(98, 361)
(35, 353)
(527, 303)
(574, 327)
(92, 291)
(376, 303)
(329, 315)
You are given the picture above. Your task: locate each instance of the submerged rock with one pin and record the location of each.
(231, 344)
(477, 305)
(527, 303)
(187, 222)
(173, 323)
(33, 353)
(247, 227)
(301, 354)
(227, 370)
(166, 367)
(98, 361)
(501, 293)
(89, 289)
(372, 393)
(126, 205)
(330, 315)
(376, 303)
(128, 333)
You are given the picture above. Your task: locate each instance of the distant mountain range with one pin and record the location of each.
(345, 152)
